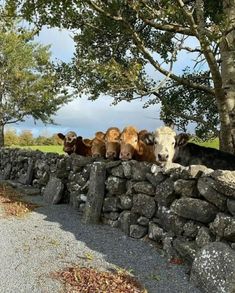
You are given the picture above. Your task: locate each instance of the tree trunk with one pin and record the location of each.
(227, 111)
(1, 135)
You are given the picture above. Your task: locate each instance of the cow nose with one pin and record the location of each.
(96, 156)
(163, 157)
(125, 156)
(111, 154)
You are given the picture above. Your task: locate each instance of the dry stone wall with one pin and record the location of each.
(189, 211)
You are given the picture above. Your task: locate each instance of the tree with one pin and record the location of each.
(11, 137)
(26, 138)
(29, 84)
(117, 41)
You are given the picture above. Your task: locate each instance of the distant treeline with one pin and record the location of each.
(26, 138)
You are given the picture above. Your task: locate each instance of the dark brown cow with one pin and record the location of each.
(74, 144)
(112, 143)
(132, 146)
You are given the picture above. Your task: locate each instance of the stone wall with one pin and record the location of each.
(189, 211)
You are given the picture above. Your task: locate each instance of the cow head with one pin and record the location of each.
(112, 143)
(98, 145)
(70, 140)
(129, 143)
(166, 144)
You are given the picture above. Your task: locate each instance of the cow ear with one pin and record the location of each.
(148, 138)
(100, 135)
(169, 123)
(182, 139)
(87, 142)
(61, 136)
(142, 134)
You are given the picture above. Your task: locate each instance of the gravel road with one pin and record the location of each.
(53, 237)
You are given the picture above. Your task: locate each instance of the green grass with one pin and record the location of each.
(45, 148)
(213, 143)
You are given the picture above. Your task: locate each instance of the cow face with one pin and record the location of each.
(70, 140)
(98, 145)
(180, 141)
(164, 141)
(128, 143)
(112, 143)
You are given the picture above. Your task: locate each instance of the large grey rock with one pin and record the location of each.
(139, 170)
(27, 178)
(186, 249)
(78, 162)
(155, 232)
(194, 209)
(170, 221)
(185, 187)
(206, 187)
(115, 185)
(117, 171)
(224, 182)
(223, 227)
(95, 194)
(144, 187)
(111, 204)
(127, 168)
(231, 206)
(137, 231)
(191, 229)
(155, 180)
(195, 171)
(5, 174)
(213, 269)
(53, 191)
(165, 194)
(144, 205)
(126, 219)
(143, 221)
(112, 216)
(125, 202)
(204, 237)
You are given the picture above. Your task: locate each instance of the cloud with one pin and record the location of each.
(86, 117)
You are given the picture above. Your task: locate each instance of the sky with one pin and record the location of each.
(86, 117)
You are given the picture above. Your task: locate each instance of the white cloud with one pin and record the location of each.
(86, 117)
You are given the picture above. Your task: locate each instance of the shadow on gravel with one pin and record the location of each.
(136, 256)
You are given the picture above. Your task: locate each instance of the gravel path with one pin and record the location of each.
(53, 237)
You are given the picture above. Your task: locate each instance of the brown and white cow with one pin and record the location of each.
(112, 143)
(132, 146)
(170, 147)
(74, 144)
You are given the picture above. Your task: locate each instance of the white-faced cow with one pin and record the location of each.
(170, 147)
(132, 146)
(112, 143)
(74, 144)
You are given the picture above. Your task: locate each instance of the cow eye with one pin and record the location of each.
(155, 142)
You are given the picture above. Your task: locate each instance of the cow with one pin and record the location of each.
(170, 147)
(74, 144)
(112, 143)
(133, 147)
(97, 145)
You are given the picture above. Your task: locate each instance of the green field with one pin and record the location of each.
(45, 148)
(59, 148)
(213, 143)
